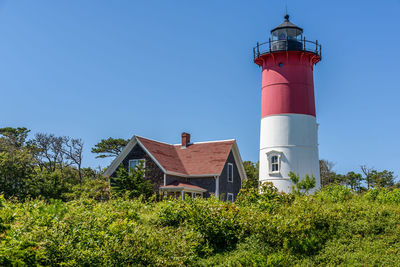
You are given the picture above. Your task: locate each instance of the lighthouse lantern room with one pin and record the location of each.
(288, 133)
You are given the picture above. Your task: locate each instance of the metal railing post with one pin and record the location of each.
(304, 43)
(316, 47)
(258, 49)
(287, 43)
(269, 43)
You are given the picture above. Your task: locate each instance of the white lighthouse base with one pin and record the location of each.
(292, 140)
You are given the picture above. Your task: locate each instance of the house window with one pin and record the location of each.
(134, 162)
(274, 162)
(230, 197)
(230, 172)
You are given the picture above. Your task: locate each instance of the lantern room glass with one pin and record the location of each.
(287, 33)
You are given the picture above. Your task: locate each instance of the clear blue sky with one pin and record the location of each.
(94, 69)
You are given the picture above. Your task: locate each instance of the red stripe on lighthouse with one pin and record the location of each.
(287, 83)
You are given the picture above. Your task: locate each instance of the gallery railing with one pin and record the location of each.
(287, 45)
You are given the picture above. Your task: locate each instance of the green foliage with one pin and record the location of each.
(16, 170)
(382, 179)
(110, 147)
(336, 193)
(217, 221)
(266, 198)
(302, 186)
(251, 173)
(91, 188)
(384, 196)
(133, 182)
(334, 226)
(13, 137)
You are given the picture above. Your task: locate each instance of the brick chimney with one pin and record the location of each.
(185, 139)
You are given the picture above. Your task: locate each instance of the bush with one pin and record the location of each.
(335, 226)
(266, 198)
(217, 221)
(97, 189)
(133, 182)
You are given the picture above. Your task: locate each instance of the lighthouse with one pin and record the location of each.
(289, 130)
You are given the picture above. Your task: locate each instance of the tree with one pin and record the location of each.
(303, 185)
(328, 176)
(13, 137)
(110, 147)
(73, 152)
(354, 180)
(382, 179)
(133, 182)
(16, 172)
(368, 175)
(252, 170)
(48, 151)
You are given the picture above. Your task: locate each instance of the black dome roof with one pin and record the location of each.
(287, 24)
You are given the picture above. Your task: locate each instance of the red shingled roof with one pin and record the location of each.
(176, 184)
(196, 159)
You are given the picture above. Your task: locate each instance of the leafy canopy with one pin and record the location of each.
(133, 182)
(109, 147)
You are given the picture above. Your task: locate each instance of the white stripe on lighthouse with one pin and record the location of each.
(295, 138)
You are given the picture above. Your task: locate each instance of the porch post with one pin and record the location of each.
(183, 195)
(217, 186)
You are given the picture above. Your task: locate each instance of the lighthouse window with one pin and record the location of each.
(274, 164)
(281, 64)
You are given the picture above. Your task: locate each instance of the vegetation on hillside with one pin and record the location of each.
(335, 226)
(54, 212)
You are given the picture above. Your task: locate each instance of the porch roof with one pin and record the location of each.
(179, 186)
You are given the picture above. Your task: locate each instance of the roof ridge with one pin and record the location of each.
(153, 140)
(203, 142)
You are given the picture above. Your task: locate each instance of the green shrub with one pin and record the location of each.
(335, 193)
(335, 226)
(97, 189)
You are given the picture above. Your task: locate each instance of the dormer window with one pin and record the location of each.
(274, 162)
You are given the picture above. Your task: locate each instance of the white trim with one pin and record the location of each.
(227, 197)
(150, 155)
(230, 179)
(124, 153)
(238, 161)
(131, 144)
(115, 163)
(217, 186)
(271, 154)
(283, 146)
(165, 179)
(152, 140)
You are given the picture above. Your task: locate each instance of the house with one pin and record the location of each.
(186, 169)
